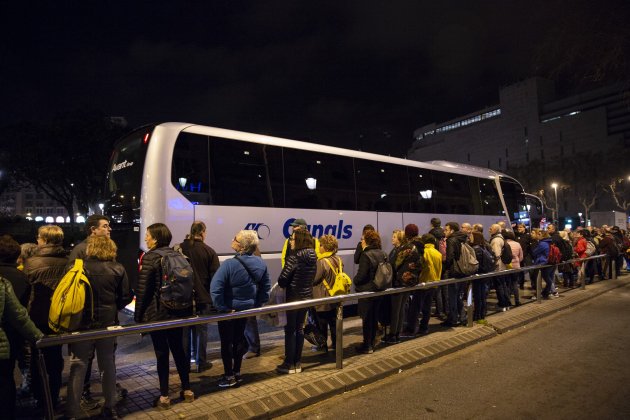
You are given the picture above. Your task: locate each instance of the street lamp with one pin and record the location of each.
(101, 206)
(555, 192)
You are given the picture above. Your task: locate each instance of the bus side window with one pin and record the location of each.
(381, 186)
(245, 174)
(318, 180)
(189, 174)
(453, 193)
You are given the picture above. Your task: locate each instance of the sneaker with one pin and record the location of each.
(298, 367)
(391, 339)
(121, 393)
(555, 295)
(363, 349)
(163, 403)
(187, 395)
(238, 377)
(286, 368)
(88, 403)
(533, 297)
(202, 367)
(250, 355)
(227, 381)
(111, 413)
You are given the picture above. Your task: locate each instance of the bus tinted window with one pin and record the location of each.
(489, 197)
(453, 193)
(318, 180)
(422, 197)
(381, 186)
(190, 168)
(125, 176)
(245, 174)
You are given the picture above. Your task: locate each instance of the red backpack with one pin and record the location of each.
(555, 256)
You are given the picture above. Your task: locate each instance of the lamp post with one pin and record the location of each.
(101, 206)
(555, 193)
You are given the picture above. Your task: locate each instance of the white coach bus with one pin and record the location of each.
(176, 173)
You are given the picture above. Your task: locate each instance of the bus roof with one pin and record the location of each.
(437, 165)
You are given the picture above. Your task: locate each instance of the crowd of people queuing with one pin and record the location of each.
(29, 274)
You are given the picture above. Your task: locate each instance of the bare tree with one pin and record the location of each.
(620, 197)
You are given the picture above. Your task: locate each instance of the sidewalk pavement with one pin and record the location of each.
(266, 394)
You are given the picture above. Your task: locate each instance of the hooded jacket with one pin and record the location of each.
(298, 274)
(454, 249)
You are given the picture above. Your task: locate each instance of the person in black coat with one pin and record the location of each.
(149, 308)
(368, 309)
(205, 263)
(297, 278)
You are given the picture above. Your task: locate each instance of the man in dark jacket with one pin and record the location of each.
(205, 263)
(454, 241)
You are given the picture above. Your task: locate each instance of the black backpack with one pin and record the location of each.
(566, 250)
(486, 260)
(506, 253)
(177, 288)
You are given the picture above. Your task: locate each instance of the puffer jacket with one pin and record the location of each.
(44, 270)
(298, 274)
(148, 306)
(232, 288)
(111, 289)
(364, 277)
(13, 314)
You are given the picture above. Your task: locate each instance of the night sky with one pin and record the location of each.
(357, 74)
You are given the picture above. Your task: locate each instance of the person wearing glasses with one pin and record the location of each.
(240, 283)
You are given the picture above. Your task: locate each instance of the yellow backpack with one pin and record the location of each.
(71, 300)
(342, 281)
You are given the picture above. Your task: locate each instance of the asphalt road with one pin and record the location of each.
(573, 365)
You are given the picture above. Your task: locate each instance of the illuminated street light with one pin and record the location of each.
(555, 192)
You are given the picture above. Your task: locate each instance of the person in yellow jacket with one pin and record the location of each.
(286, 249)
(431, 271)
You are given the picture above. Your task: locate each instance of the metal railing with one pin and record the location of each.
(121, 330)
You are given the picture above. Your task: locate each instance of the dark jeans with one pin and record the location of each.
(7, 388)
(368, 311)
(455, 302)
(173, 340)
(233, 344)
(54, 367)
(199, 337)
(441, 300)
(420, 304)
(327, 320)
(480, 298)
(252, 336)
(397, 312)
(294, 336)
(513, 287)
(547, 275)
(503, 296)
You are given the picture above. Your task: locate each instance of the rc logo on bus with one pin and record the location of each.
(261, 229)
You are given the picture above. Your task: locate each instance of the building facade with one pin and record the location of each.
(541, 139)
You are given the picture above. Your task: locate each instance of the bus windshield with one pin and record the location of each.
(124, 179)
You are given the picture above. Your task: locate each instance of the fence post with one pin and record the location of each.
(539, 286)
(470, 305)
(339, 340)
(583, 269)
(43, 375)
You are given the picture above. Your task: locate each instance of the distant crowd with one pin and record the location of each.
(187, 280)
